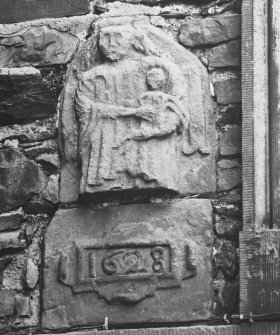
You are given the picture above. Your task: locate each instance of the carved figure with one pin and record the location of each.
(134, 118)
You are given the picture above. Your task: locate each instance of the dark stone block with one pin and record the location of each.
(23, 96)
(20, 178)
(25, 10)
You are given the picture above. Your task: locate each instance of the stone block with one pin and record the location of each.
(132, 263)
(142, 117)
(23, 96)
(43, 42)
(10, 221)
(50, 193)
(209, 31)
(226, 55)
(4, 262)
(226, 258)
(227, 227)
(24, 10)
(229, 174)
(228, 91)
(7, 303)
(23, 307)
(11, 241)
(20, 178)
(32, 274)
(230, 142)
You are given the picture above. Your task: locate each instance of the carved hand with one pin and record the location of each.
(146, 113)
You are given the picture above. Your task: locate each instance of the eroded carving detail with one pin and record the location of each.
(135, 116)
(121, 273)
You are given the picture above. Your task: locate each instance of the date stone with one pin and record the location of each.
(132, 263)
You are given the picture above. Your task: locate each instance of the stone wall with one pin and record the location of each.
(37, 178)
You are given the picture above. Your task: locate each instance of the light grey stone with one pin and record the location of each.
(136, 263)
(10, 221)
(149, 125)
(11, 240)
(32, 274)
(37, 46)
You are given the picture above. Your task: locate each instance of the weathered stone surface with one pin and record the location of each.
(200, 32)
(228, 91)
(229, 174)
(69, 182)
(230, 115)
(10, 221)
(230, 142)
(39, 205)
(136, 263)
(23, 307)
(37, 46)
(32, 274)
(24, 10)
(226, 55)
(20, 178)
(34, 149)
(11, 241)
(4, 262)
(7, 303)
(227, 227)
(50, 193)
(50, 159)
(23, 95)
(226, 258)
(145, 118)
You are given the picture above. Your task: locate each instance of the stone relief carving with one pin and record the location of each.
(132, 263)
(142, 115)
(108, 269)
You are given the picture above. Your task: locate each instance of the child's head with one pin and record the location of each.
(156, 79)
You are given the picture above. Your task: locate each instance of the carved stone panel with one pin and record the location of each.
(132, 263)
(141, 116)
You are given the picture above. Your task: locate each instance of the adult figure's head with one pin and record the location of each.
(118, 42)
